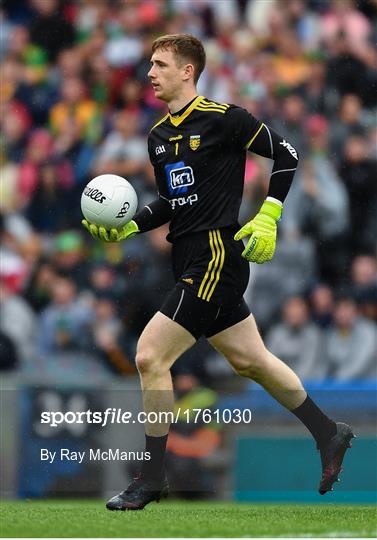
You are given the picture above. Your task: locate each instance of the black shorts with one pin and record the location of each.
(211, 278)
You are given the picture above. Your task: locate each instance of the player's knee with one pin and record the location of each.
(145, 361)
(251, 371)
(253, 366)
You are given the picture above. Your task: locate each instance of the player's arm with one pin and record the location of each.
(154, 215)
(150, 217)
(265, 142)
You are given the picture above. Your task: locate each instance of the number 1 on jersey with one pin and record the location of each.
(176, 148)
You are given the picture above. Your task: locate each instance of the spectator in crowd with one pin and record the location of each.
(49, 28)
(69, 64)
(89, 17)
(39, 150)
(64, 323)
(15, 237)
(322, 305)
(15, 126)
(358, 172)
(31, 84)
(9, 196)
(124, 47)
(343, 17)
(343, 63)
(69, 257)
(132, 100)
(49, 206)
(190, 443)
(314, 91)
(290, 273)
(105, 280)
(109, 340)
(351, 344)
(75, 105)
(348, 122)
(305, 24)
(72, 147)
(123, 152)
(318, 203)
(38, 289)
(8, 354)
(364, 285)
(292, 66)
(290, 121)
(215, 81)
(17, 322)
(297, 340)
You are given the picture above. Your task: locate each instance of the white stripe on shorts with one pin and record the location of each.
(179, 304)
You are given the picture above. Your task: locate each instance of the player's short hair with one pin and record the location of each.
(186, 47)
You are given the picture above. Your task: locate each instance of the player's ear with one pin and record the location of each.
(188, 72)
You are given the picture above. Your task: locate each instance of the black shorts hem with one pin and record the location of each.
(200, 317)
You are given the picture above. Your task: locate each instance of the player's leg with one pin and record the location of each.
(161, 343)
(243, 347)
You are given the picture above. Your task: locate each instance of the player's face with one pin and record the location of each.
(166, 75)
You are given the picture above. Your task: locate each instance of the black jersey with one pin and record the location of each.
(199, 162)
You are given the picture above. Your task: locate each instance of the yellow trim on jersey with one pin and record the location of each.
(201, 104)
(253, 137)
(206, 101)
(210, 109)
(211, 106)
(159, 122)
(176, 120)
(215, 266)
(223, 106)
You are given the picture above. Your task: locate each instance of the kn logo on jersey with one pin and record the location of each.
(179, 177)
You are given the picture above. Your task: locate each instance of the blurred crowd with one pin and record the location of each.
(75, 103)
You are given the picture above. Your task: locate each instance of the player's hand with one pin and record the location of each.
(262, 231)
(111, 235)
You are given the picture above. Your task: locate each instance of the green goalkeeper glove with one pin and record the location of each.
(112, 235)
(262, 231)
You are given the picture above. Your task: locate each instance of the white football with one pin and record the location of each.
(109, 200)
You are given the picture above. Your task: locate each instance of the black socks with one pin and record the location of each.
(154, 468)
(320, 426)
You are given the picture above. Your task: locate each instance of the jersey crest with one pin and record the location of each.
(194, 142)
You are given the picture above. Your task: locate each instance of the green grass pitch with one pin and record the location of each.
(64, 519)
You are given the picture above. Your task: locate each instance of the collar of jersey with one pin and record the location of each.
(176, 120)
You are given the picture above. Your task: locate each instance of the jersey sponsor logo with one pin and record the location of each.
(95, 194)
(160, 149)
(181, 201)
(179, 177)
(290, 148)
(123, 211)
(194, 142)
